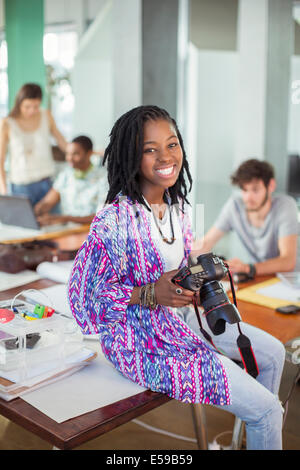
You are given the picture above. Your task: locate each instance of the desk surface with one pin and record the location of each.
(79, 229)
(283, 327)
(78, 430)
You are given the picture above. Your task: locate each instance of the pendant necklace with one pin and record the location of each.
(165, 239)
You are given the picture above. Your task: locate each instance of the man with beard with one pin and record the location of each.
(266, 224)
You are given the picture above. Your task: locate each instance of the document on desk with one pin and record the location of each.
(282, 291)
(97, 385)
(9, 281)
(11, 232)
(14, 232)
(272, 293)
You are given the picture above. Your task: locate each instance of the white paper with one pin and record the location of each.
(11, 232)
(290, 279)
(8, 281)
(96, 385)
(59, 271)
(282, 291)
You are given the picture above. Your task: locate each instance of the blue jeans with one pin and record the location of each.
(34, 191)
(254, 401)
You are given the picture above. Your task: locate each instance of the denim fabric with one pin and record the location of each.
(34, 191)
(255, 401)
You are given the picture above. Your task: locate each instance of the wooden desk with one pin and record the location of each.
(81, 429)
(71, 242)
(283, 327)
(76, 431)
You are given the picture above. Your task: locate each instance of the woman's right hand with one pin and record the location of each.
(165, 292)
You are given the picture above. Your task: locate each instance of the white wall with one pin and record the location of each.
(212, 83)
(294, 107)
(251, 84)
(216, 117)
(64, 11)
(2, 19)
(107, 73)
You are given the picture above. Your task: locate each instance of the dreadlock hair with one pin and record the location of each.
(125, 151)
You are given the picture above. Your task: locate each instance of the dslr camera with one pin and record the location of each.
(204, 275)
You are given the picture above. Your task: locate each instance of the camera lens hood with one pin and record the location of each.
(219, 316)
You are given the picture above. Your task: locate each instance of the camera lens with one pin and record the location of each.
(217, 307)
(212, 294)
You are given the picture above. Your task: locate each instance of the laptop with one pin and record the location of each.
(18, 211)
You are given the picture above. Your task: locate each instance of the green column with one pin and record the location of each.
(24, 30)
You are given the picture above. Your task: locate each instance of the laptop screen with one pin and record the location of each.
(18, 211)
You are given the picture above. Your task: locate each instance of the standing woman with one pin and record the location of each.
(26, 133)
(120, 286)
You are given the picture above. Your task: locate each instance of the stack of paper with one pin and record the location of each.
(32, 353)
(12, 389)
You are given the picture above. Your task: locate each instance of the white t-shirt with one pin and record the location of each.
(171, 254)
(261, 243)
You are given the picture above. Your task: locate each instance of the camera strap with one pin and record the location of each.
(243, 343)
(247, 354)
(202, 330)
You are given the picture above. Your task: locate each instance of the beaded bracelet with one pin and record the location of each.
(147, 295)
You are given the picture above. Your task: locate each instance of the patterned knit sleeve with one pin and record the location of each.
(96, 295)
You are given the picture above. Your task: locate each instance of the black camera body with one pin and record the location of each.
(204, 276)
(208, 267)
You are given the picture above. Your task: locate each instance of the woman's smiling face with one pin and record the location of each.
(162, 157)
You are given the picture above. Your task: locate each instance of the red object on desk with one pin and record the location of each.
(6, 315)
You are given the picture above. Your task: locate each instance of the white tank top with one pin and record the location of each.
(30, 152)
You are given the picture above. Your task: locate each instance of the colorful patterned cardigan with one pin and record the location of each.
(153, 348)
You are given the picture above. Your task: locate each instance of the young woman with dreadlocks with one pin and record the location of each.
(121, 289)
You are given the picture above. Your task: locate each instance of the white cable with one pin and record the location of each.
(161, 431)
(26, 291)
(222, 434)
(214, 445)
